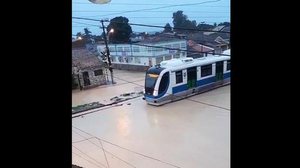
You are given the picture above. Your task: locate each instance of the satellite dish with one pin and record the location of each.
(100, 1)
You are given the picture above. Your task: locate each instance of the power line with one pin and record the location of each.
(88, 156)
(82, 140)
(145, 25)
(147, 17)
(188, 51)
(126, 148)
(139, 4)
(101, 147)
(104, 153)
(85, 23)
(162, 7)
(86, 159)
(171, 11)
(158, 17)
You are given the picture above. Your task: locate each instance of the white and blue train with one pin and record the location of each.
(179, 78)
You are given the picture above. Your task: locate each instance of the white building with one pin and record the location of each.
(141, 54)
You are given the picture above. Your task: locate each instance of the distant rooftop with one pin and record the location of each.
(165, 37)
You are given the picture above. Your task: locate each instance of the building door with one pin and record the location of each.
(86, 80)
(219, 70)
(191, 77)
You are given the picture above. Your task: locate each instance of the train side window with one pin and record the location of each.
(228, 65)
(164, 83)
(179, 77)
(206, 70)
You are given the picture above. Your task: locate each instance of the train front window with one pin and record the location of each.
(151, 80)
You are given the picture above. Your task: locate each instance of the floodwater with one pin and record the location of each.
(189, 133)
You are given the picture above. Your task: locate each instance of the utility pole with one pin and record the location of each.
(107, 54)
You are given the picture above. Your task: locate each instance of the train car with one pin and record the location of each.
(176, 79)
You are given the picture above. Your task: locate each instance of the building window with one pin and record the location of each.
(183, 54)
(183, 45)
(177, 55)
(127, 49)
(228, 65)
(98, 72)
(120, 59)
(177, 46)
(136, 49)
(179, 77)
(120, 49)
(158, 49)
(112, 49)
(206, 70)
(131, 59)
(168, 57)
(137, 60)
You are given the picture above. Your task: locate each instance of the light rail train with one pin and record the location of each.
(176, 79)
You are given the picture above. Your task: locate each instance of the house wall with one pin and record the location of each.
(127, 54)
(94, 80)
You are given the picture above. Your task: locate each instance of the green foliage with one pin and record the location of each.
(204, 26)
(86, 37)
(224, 24)
(122, 30)
(168, 28)
(181, 21)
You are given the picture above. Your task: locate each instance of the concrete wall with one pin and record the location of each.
(141, 56)
(94, 80)
(130, 67)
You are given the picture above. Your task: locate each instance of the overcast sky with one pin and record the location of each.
(142, 12)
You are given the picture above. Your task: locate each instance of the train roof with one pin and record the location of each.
(226, 52)
(182, 63)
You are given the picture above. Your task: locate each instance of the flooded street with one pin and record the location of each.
(189, 133)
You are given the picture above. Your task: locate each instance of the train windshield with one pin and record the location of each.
(151, 78)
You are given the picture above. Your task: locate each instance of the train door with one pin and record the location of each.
(219, 70)
(191, 77)
(86, 80)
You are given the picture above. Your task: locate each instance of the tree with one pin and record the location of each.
(226, 24)
(181, 21)
(121, 30)
(215, 24)
(204, 26)
(87, 33)
(86, 37)
(168, 28)
(78, 35)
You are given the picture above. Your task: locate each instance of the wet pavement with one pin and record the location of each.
(190, 133)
